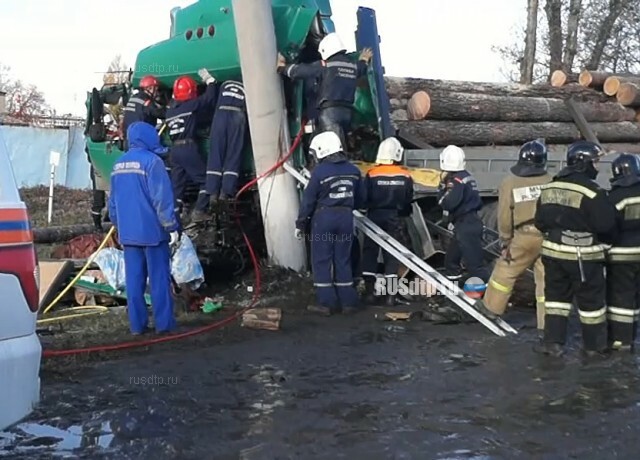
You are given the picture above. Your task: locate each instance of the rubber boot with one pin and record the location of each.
(199, 216)
(369, 291)
(390, 301)
(549, 349)
(97, 220)
(482, 308)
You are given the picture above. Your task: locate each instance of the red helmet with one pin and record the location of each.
(149, 81)
(185, 88)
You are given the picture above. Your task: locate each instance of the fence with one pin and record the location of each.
(29, 149)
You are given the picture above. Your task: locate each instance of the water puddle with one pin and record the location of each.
(28, 438)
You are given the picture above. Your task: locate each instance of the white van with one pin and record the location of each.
(20, 349)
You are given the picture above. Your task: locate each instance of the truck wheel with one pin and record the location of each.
(489, 215)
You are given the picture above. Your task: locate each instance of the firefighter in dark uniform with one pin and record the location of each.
(576, 218)
(228, 130)
(337, 76)
(182, 118)
(458, 196)
(623, 269)
(388, 191)
(144, 106)
(326, 215)
(521, 240)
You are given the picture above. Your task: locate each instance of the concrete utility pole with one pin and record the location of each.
(265, 109)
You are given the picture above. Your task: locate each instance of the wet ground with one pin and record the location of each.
(339, 387)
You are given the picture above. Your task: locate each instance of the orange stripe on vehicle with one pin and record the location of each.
(16, 236)
(13, 214)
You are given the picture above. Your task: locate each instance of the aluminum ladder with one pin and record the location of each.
(418, 266)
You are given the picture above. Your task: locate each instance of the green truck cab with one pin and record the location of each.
(203, 35)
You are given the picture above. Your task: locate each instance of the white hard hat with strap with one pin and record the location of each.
(452, 159)
(389, 151)
(325, 144)
(330, 45)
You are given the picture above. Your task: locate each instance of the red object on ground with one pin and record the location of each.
(210, 327)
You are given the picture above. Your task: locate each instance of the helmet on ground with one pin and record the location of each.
(581, 153)
(330, 45)
(452, 159)
(533, 153)
(149, 81)
(389, 151)
(325, 144)
(626, 165)
(185, 88)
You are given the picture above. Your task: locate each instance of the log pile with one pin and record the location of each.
(437, 113)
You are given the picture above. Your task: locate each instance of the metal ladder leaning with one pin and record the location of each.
(419, 266)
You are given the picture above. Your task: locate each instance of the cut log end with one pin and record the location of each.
(585, 78)
(628, 95)
(559, 78)
(418, 106)
(611, 86)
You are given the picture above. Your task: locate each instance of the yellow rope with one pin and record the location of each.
(80, 273)
(100, 309)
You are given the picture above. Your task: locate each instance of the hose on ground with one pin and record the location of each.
(203, 329)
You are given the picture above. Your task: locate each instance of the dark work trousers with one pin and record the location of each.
(466, 246)
(623, 302)
(562, 285)
(186, 163)
(99, 200)
(331, 243)
(153, 262)
(225, 155)
(387, 220)
(356, 258)
(336, 119)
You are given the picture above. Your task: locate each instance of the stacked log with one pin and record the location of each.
(438, 112)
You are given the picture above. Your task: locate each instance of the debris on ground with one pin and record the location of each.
(262, 318)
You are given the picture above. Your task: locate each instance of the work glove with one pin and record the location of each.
(366, 55)
(298, 234)
(174, 239)
(206, 76)
(281, 62)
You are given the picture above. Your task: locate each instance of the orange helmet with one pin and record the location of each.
(149, 81)
(184, 88)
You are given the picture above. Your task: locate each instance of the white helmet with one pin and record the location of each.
(325, 144)
(330, 45)
(452, 159)
(389, 151)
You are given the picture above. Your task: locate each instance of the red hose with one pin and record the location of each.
(210, 327)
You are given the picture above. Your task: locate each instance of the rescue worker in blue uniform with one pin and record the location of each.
(623, 267)
(141, 208)
(326, 214)
(458, 196)
(182, 119)
(228, 130)
(143, 105)
(388, 191)
(337, 76)
(577, 222)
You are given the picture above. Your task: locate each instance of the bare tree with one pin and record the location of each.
(594, 34)
(117, 72)
(571, 43)
(615, 9)
(528, 60)
(553, 9)
(25, 102)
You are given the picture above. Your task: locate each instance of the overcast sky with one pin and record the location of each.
(63, 45)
